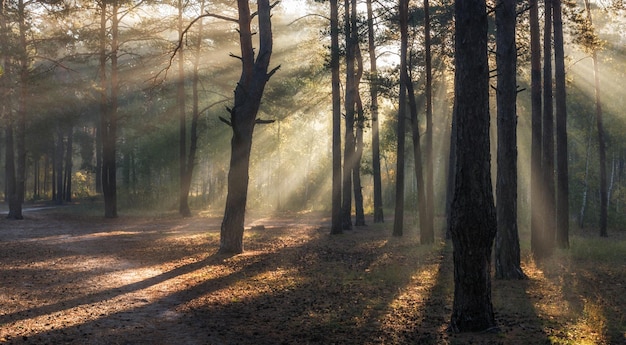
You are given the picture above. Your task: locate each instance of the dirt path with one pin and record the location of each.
(137, 280)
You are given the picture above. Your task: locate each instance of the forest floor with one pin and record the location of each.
(67, 278)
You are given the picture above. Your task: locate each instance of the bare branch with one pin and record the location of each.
(225, 121)
(263, 122)
(271, 73)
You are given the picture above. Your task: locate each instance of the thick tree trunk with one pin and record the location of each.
(536, 175)
(562, 191)
(549, 230)
(398, 222)
(473, 218)
(507, 253)
(336, 227)
(248, 94)
(428, 232)
(378, 194)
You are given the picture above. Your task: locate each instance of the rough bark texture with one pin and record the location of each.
(536, 199)
(336, 227)
(378, 193)
(248, 94)
(507, 253)
(398, 222)
(562, 171)
(473, 218)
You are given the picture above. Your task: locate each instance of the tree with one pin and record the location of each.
(562, 194)
(473, 214)
(507, 253)
(109, 106)
(243, 117)
(547, 162)
(398, 221)
(184, 175)
(427, 234)
(378, 194)
(336, 227)
(351, 90)
(536, 176)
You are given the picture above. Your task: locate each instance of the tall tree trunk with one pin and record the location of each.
(426, 236)
(16, 201)
(10, 167)
(336, 227)
(507, 253)
(604, 209)
(451, 172)
(109, 109)
(473, 219)
(360, 124)
(562, 194)
(183, 198)
(378, 193)
(427, 232)
(193, 131)
(398, 222)
(248, 94)
(349, 105)
(536, 175)
(549, 233)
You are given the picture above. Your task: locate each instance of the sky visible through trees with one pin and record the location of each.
(136, 106)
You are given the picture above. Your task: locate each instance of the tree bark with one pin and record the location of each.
(349, 157)
(427, 232)
(549, 230)
(185, 179)
(248, 94)
(378, 194)
(473, 218)
(336, 227)
(536, 175)
(562, 191)
(360, 124)
(398, 222)
(507, 253)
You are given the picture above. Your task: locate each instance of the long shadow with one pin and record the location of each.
(305, 312)
(515, 314)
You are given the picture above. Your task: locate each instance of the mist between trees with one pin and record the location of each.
(66, 64)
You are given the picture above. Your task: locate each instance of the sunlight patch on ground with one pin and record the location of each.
(561, 321)
(127, 290)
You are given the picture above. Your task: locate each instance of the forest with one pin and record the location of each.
(312, 172)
